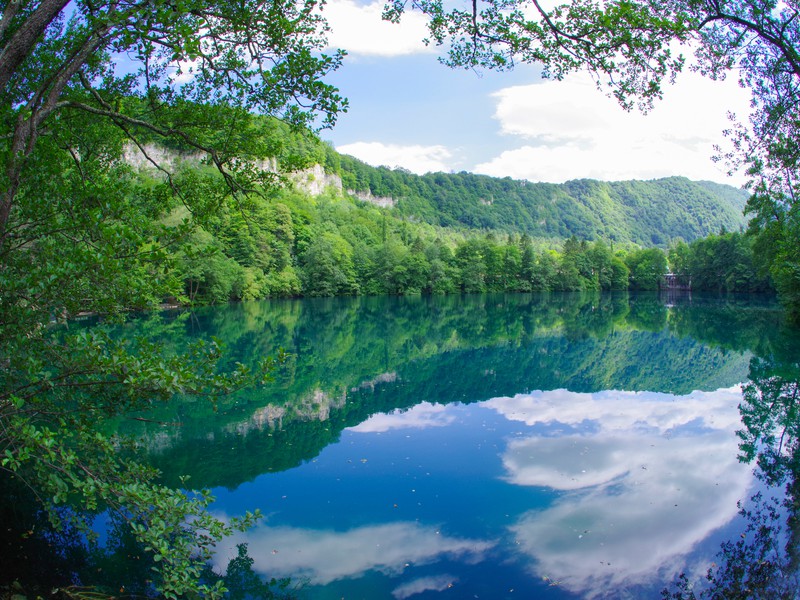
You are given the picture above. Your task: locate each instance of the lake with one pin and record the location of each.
(509, 446)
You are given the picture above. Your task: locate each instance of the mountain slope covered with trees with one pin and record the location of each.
(340, 227)
(647, 213)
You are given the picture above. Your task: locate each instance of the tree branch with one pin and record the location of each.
(26, 37)
(777, 41)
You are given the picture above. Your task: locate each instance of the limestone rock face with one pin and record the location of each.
(313, 181)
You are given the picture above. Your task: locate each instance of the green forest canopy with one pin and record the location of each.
(442, 233)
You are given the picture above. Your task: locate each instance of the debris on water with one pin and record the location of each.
(550, 581)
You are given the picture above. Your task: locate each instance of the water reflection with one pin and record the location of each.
(421, 416)
(470, 446)
(324, 556)
(764, 562)
(635, 482)
(438, 583)
(650, 476)
(354, 358)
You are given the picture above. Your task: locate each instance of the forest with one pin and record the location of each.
(646, 213)
(286, 251)
(438, 235)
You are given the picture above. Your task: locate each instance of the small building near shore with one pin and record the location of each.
(671, 281)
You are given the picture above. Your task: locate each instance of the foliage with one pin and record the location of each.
(647, 213)
(627, 46)
(724, 262)
(332, 246)
(625, 42)
(647, 268)
(771, 401)
(39, 559)
(289, 243)
(83, 85)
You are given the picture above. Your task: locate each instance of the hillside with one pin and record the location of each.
(647, 213)
(341, 227)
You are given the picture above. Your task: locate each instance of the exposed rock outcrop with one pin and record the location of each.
(313, 181)
(383, 201)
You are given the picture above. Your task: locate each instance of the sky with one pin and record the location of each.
(407, 110)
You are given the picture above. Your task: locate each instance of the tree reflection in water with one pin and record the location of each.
(38, 560)
(384, 354)
(765, 561)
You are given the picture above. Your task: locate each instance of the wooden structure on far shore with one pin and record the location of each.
(671, 282)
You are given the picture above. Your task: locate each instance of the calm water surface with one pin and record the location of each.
(491, 446)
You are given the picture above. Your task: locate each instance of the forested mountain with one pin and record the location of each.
(647, 213)
(341, 227)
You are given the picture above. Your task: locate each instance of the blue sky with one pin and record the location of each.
(408, 110)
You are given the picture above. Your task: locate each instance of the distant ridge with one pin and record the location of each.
(648, 213)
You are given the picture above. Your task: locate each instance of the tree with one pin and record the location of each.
(678, 258)
(81, 84)
(647, 268)
(327, 267)
(628, 47)
(544, 275)
(470, 263)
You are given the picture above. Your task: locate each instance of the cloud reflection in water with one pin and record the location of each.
(652, 476)
(437, 583)
(323, 556)
(421, 416)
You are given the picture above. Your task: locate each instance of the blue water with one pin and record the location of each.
(512, 446)
(505, 498)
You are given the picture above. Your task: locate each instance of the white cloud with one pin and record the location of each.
(573, 130)
(324, 556)
(417, 159)
(615, 410)
(651, 478)
(421, 416)
(437, 583)
(360, 30)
